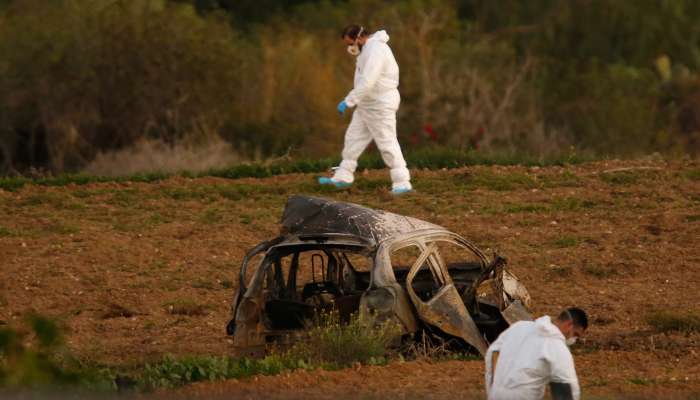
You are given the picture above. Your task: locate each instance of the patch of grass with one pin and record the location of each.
(172, 372)
(187, 193)
(674, 321)
(335, 344)
(157, 219)
(372, 184)
(495, 181)
(560, 270)
(629, 177)
(210, 216)
(60, 228)
(692, 174)
(571, 204)
(330, 345)
(203, 284)
(566, 241)
(565, 179)
(597, 383)
(688, 218)
(526, 223)
(114, 310)
(430, 158)
(227, 284)
(186, 307)
(124, 198)
(525, 208)
(641, 381)
(5, 232)
(598, 271)
(46, 198)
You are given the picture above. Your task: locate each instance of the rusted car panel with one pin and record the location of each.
(316, 264)
(445, 310)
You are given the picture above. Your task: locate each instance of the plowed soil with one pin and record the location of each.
(134, 271)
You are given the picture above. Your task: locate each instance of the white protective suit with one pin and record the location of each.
(531, 355)
(377, 99)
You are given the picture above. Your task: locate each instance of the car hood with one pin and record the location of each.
(306, 215)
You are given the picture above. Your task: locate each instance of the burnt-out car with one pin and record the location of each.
(350, 258)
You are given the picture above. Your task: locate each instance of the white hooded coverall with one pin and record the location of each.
(376, 96)
(531, 355)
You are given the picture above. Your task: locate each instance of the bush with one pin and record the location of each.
(37, 359)
(334, 344)
(329, 344)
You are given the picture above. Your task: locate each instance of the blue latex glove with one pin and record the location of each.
(342, 106)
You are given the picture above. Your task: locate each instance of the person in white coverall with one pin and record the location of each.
(376, 99)
(530, 355)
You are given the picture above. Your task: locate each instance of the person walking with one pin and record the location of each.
(375, 97)
(532, 354)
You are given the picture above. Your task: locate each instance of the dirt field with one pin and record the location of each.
(114, 262)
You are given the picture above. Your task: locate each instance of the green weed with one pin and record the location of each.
(693, 174)
(622, 178)
(598, 271)
(641, 381)
(566, 241)
(525, 208)
(495, 181)
(565, 179)
(124, 198)
(210, 216)
(5, 232)
(688, 218)
(571, 204)
(335, 344)
(172, 372)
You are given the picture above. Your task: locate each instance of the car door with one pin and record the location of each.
(443, 306)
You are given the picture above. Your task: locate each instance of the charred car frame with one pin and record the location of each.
(355, 259)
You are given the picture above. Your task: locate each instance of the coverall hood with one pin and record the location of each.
(546, 328)
(381, 36)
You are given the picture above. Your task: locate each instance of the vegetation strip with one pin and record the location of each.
(427, 159)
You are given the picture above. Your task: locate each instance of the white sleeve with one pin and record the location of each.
(495, 347)
(562, 368)
(369, 76)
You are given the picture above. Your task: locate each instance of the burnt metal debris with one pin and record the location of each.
(351, 258)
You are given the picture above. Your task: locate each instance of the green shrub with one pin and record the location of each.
(37, 359)
(335, 344)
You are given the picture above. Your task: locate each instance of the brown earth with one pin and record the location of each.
(134, 270)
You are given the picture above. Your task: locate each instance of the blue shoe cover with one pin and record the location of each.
(330, 181)
(399, 191)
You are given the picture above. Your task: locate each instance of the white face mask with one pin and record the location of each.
(571, 341)
(354, 49)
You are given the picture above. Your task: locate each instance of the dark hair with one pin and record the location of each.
(575, 314)
(353, 31)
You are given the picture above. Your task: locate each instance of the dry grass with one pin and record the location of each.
(157, 156)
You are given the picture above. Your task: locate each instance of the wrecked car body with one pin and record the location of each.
(346, 257)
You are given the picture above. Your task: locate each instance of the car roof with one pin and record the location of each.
(307, 215)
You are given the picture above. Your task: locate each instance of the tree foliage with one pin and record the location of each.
(81, 77)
